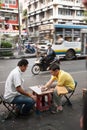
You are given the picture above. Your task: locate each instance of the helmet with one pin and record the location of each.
(49, 44)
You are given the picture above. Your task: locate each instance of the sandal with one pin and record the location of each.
(53, 111)
(59, 110)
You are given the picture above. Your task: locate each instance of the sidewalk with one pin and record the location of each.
(16, 55)
(67, 120)
(24, 55)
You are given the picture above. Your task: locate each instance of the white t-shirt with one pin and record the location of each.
(14, 80)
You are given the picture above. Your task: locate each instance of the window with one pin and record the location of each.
(13, 17)
(42, 15)
(65, 11)
(6, 1)
(36, 5)
(10, 1)
(79, 13)
(2, 1)
(14, 2)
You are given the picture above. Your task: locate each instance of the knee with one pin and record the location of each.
(55, 92)
(32, 102)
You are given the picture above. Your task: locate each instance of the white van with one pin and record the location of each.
(67, 49)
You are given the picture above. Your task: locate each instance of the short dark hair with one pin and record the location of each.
(54, 66)
(23, 62)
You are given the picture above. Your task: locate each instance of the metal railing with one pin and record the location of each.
(6, 52)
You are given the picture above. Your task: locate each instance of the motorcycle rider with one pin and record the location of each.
(45, 60)
(50, 53)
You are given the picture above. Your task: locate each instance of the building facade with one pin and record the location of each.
(42, 15)
(9, 21)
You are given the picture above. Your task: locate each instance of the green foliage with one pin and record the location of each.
(0, 5)
(6, 44)
(85, 14)
(25, 12)
(6, 53)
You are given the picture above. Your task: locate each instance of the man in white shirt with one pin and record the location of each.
(14, 91)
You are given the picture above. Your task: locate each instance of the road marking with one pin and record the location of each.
(78, 72)
(2, 82)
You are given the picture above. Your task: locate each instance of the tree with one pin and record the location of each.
(0, 4)
(25, 17)
(85, 14)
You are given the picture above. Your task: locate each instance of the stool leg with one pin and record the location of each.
(38, 105)
(43, 100)
(68, 101)
(49, 100)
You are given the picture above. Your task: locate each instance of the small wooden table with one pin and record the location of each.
(44, 99)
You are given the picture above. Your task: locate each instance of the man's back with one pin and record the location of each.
(65, 79)
(13, 80)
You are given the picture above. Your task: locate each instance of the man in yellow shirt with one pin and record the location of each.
(64, 80)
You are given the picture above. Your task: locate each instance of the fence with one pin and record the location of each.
(6, 52)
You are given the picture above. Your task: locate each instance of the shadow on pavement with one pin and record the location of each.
(67, 120)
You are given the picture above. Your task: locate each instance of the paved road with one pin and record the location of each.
(68, 120)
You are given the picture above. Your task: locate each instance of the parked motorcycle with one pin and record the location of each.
(42, 65)
(30, 49)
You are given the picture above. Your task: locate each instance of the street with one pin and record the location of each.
(75, 67)
(69, 119)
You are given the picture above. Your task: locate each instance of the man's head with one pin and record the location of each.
(23, 64)
(49, 45)
(54, 69)
(84, 3)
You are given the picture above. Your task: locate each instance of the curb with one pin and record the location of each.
(33, 56)
(18, 57)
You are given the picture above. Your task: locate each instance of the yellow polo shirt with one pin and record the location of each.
(64, 79)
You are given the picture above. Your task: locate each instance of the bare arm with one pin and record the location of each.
(47, 85)
(21, 90)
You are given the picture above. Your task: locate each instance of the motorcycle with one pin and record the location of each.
(42, 65)
(30, 49)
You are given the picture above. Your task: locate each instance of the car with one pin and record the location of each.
(42, 46)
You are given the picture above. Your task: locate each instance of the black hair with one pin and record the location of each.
(60, 35)
(54, 66)
(23, 62)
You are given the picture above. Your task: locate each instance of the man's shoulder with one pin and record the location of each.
(53, 52)
(64, 73)
(15, 71)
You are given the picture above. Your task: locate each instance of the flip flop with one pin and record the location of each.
(59, 110)
(53, 111)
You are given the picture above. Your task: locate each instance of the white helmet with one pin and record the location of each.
(49, 44)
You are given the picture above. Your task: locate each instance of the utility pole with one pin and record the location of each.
(20, 40)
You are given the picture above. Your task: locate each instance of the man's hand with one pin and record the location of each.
(44, 89)
(34, 97)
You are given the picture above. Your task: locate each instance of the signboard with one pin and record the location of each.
(11, 32)
(46, 27)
